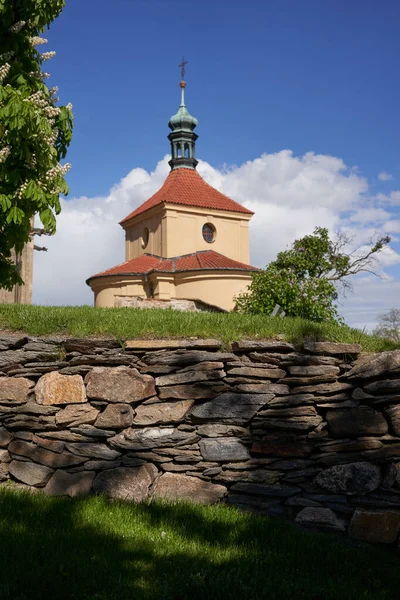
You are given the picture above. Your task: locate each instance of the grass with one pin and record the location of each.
(123, 323)
(89, 549)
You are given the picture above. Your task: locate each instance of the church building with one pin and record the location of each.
(186, 247)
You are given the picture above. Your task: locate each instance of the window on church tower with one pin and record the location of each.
(145, 237)
(209, 232)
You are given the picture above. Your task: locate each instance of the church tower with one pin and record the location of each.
(188, 243)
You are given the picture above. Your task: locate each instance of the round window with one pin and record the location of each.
(145, 237)
(209, 232)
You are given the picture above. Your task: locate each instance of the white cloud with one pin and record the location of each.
(383, 176)
(290, 196)
(392, 199)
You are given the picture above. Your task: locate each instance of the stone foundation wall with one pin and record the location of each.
(312, 433)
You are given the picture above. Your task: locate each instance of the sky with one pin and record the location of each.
(297, 102)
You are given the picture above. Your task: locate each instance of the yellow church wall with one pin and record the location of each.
(134, 233)
(106, 288)
(214, 287)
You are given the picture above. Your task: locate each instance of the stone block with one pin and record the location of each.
(217, 430)
(235, 408)
(190, 377)
(172, 486)
(42, 456)
(125, 483)
(151, 437)
(115, 416)
(54, 389)
(260, 373)
(354, 422)
(5, 437)
(357, 478)
(375, 526)
(70, 484)
(119, 384)
(313, 370)
(140, 345)
(393, 414)
(161, 413)
(283, 445)
(383, 387)
(223, 449)
(193, 391)
(372, 366)
(266, 346)
(262, 388)
(30, 473)
(15, 390)
(93, 450)
(74, 415)
(331, 348)
(323, 518)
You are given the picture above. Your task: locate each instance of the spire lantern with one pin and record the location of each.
(182, 137)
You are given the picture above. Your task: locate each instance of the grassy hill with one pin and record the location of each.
(125, 323)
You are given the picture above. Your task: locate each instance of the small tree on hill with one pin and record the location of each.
(304, 280)
(389, 325)
(34, 131)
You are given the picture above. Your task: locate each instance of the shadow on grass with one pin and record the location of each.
(91, 549)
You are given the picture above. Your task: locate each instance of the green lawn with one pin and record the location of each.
(123, 323)
(91, 549)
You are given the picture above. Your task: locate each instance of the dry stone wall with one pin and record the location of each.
(311, 433)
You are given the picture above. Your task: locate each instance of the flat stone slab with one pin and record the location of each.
(93, 450)
(70, 484)
(125, 483)
(15, 390)
(30, 473)
(119, 384)
(44, 456)
(378, 527)
(147, 345)
(237, 408)
(223, 449)
(331, 348)
(162, 413)
(74, 415)
(353, 422)
(172, 486)
(150, 437)
(54, 388)
(375, 365)
(266, 345)
(190, 377)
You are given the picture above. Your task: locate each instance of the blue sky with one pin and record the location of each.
(263, 76)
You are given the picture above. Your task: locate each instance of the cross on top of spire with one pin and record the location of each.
(183, 67)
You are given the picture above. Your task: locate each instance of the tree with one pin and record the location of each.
(304, 280)
(389, 325)
(34, 131)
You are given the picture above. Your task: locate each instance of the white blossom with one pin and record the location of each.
(69, 106)
(45, 75)
(48, 55)
(36, 40)
(57, 171)
(53, 90)
(16, 28)
(4, 71)
(4, 152)
(52, 111)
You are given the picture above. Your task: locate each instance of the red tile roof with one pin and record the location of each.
(186, 187)
(199, 261)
